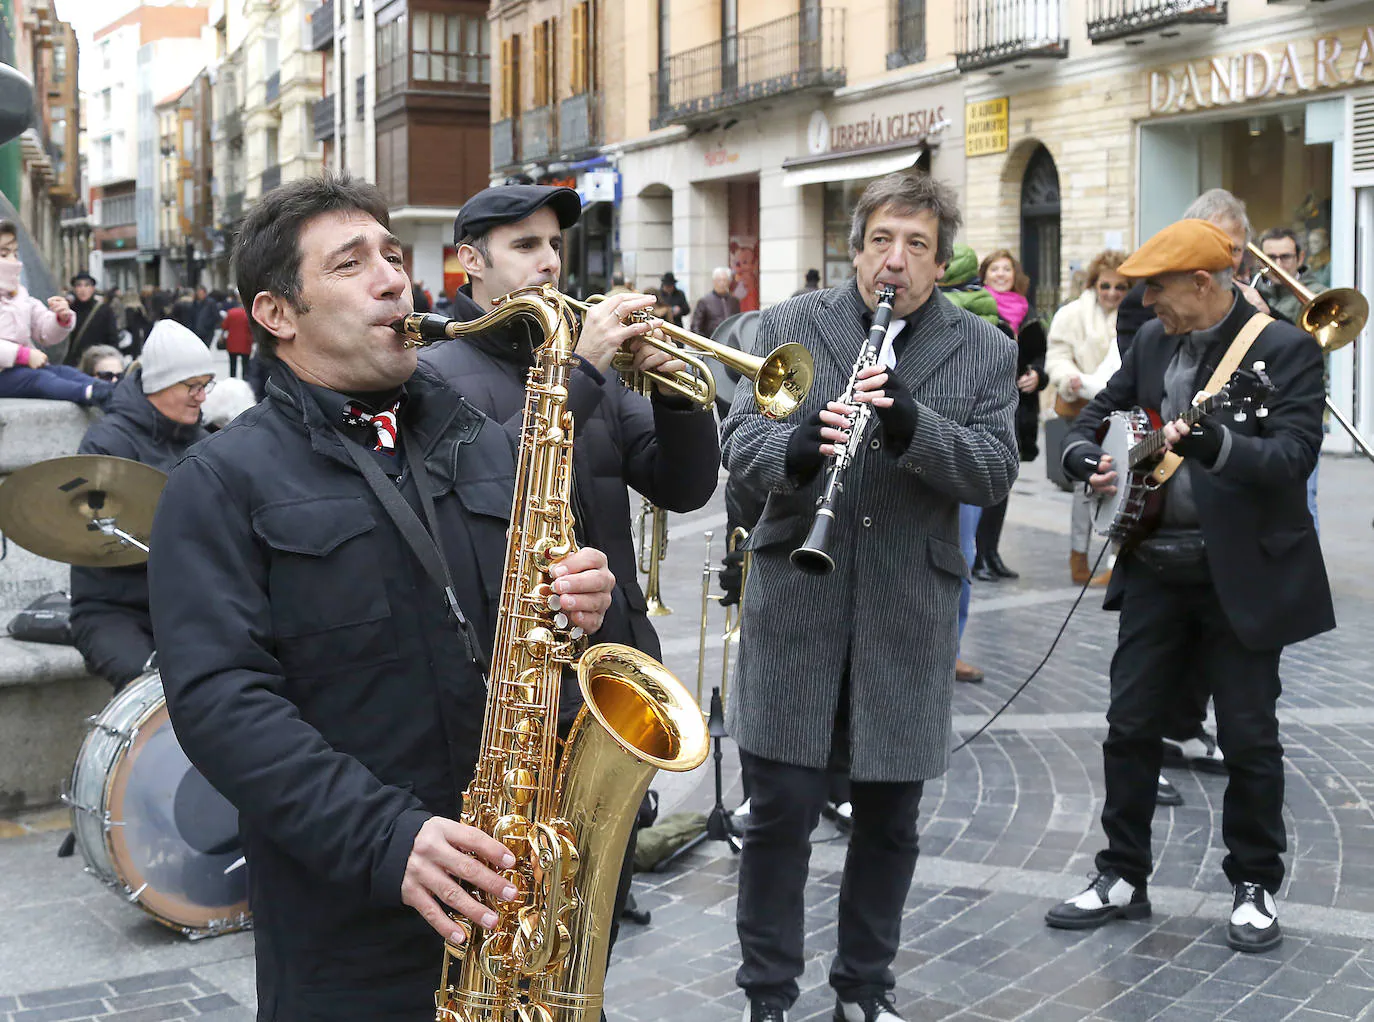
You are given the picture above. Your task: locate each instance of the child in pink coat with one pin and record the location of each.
(27, 326)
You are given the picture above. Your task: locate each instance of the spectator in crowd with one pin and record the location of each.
(205, 315)
(813, 283)
(673, 300)
(95, 321)
(1081, 357)
(238, 337)
(421, 297)
(103, 363)
(717, 306)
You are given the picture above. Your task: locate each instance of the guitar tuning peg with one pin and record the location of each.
(1262, 412)
(1240, 416)
(1259, 366)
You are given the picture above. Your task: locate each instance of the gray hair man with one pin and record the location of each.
(716, 306)
(828, 677)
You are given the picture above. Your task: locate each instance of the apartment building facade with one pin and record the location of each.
(405, 104)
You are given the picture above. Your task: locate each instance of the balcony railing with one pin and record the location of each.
(232, 123)
(579, 122)
(992, 32)
(1117, 19)
(322, 26)
(273, 86)
(503, 149)
(801, 51)
(271, 177)
(537, 133)
(360, 97)
(907, 35)
(233, 206)
(322, 117)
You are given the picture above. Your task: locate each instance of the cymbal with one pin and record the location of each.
(48, 508)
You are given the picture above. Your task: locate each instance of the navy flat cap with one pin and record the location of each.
(508, 204)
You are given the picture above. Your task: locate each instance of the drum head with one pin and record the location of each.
(174, 835)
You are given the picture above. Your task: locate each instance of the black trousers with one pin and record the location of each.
(1189, 712)
(785, 805)
(1168, 635)
(989, 533)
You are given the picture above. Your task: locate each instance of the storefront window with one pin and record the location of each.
(840, 199)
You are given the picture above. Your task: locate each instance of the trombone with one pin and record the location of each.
(653, 547)
(734, 540)
(782, 378)
(1334, 318)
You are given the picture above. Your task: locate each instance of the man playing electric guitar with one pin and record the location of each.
(1232, 574)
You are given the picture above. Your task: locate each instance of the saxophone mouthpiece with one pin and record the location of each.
(421, 328)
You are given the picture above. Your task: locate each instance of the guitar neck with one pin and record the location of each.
(1153, 443)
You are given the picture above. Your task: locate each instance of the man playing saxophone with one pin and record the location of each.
(856, 667)
(316, 670)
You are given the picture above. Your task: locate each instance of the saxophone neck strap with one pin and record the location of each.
(425, 543)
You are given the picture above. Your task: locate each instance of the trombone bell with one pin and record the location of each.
(1334, 317)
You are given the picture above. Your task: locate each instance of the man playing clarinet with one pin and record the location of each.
(854, 669)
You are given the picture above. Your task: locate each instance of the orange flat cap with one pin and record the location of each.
(1181, 248)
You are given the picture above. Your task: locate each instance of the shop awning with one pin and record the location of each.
(847, 168)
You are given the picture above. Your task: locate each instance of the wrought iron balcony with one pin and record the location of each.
(271, 177)
(360, 97)
(504, 151)
(801, 51)
(233, 206)
(322, 116)
(579, 122)
(322, 26)
(538, 134)
(1117, 19)
(232, 123)
(273, 86)
(992, 32)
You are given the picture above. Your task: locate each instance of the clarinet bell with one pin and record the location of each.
(811, 558)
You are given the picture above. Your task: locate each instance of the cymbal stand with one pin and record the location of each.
(95, 500)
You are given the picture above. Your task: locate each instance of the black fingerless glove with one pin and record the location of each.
(1082, 461)
(898, 421)
(804, 458)
(1203, 443)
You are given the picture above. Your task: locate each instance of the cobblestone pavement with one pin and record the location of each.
(1009, 830)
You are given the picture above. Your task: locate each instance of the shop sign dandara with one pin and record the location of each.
(1299, 67)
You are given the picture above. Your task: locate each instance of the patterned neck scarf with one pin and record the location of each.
(384, 423)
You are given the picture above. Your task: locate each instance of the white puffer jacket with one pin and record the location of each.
(1080, 338)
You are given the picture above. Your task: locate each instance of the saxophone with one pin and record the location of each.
(564, 808)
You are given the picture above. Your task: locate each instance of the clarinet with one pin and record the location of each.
(811, 557)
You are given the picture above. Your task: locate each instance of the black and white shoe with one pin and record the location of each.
(1108, 897)
(1166, 794)
(1254, 920)
(1200, 752)
(867, 1009)
(760, 1010)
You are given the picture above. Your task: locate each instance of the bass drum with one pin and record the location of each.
(149, 825)
(738, 331)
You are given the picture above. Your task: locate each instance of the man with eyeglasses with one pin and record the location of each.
(1281, 245)
(153, 418)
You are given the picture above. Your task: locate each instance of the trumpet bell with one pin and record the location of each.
(1334, 317)
(783, 380)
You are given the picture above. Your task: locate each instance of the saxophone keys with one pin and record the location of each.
(518, 786)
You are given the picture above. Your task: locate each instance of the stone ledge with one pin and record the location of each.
(37, 663)
(33, 431)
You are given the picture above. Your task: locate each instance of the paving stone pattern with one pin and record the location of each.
(151, 997)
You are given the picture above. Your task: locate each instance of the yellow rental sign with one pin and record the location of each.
(985, 127)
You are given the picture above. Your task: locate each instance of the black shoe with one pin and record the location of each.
(1107, 897)
(1166, 794)
(1254, 920)
(982, 572)
(867, 1009)
(763, 1011)
(999, 566)
(841, 814)
(1197, 753)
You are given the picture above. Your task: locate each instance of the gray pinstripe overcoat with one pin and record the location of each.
(892, 601)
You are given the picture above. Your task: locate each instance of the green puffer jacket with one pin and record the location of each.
(962, 287)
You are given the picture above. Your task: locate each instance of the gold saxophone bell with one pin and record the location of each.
(782, 378)
(1334, 317)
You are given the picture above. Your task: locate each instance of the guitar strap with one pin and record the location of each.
(1229, 363)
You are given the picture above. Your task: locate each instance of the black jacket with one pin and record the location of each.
(1262, 549)
(313, 679)
(95, 324)
(110, 622)
(670, 455)
(1031, 344)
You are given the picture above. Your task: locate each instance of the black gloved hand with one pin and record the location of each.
(731, 575)
(1082, 461)
(1203, 443)
(898, 420)
(804, 458)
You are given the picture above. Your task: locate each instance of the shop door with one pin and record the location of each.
(743, 211)
(1040, 230)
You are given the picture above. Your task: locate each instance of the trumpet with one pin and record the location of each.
(653, 547)
(782, 378)
(1333, 317)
